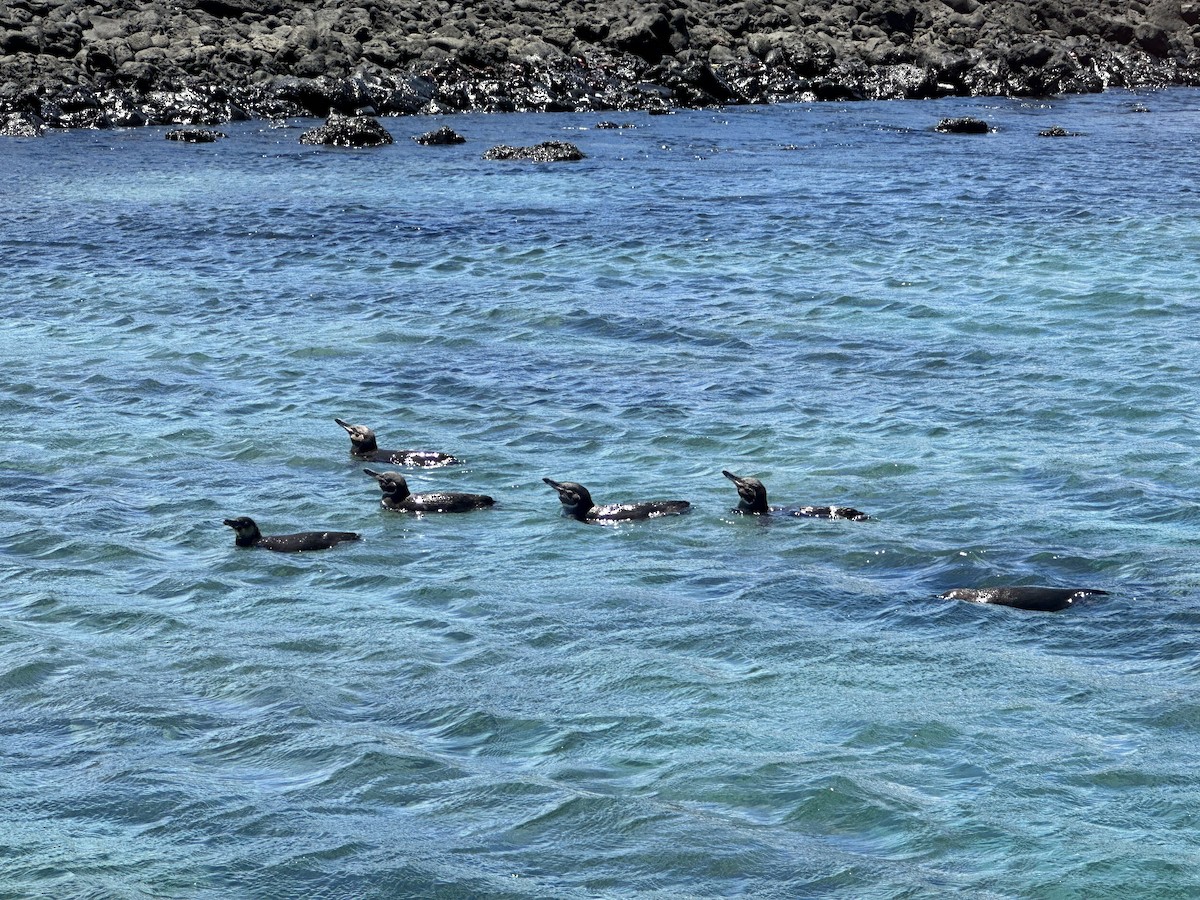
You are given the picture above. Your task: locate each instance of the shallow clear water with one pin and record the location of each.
(988, 343)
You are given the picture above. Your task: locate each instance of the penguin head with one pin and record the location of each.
(574, 497)
(362, 438)
(244, 529)
(393, 485)
(752, 493)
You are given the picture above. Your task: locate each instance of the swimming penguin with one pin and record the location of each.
(577, 503)
(752, 501)
(248, 535)
(396, 496)
(363, 446)
(1043, 599)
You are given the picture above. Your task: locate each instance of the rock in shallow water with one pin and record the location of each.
(444, 136)
(1057, 131)
(547, 151)
(194, 135)
(963, 125)
(348, 131)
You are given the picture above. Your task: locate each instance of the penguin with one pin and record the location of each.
(578, 504)
(752, 501)
(248, 535)
(363, 446)
(397, 497)
(1042, 599)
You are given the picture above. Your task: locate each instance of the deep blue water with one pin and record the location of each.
(988, 343)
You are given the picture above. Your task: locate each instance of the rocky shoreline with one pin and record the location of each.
(120, 63)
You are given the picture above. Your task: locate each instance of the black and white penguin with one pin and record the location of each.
(397, 496)
(578, 504)
(364, 446)
(752, 501)
(248, 535)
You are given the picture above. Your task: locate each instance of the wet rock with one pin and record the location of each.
(548, 151)
(1057, 131)
(201, 62)
(194, 135)
(84, 118)
(441, 137)
(324, 95)
(77, 108)
(962, 125)
(190, 105)
(348, 131)
(22, 124)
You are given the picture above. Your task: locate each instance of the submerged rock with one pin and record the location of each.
(1057, 131)
(348, 131)
(548, 151)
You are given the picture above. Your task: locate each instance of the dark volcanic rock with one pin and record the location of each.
(202, 62)
(1057, 131)
(443, 136)
(963, 125)
(348, 131)
(194, 135)
(548, 151)
(22, 124)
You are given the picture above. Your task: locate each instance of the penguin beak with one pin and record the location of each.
(378, 476)
(734, 478)
(231, 523)
(344, 423)
(557, 485)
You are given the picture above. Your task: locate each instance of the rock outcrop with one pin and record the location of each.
(194, 135)
(962, 125)
(444, 136)
(104, 63)
(348, 131)
(547, 151)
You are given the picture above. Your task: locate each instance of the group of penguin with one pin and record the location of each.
(577, 504)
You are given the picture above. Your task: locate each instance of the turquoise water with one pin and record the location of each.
(988, 343)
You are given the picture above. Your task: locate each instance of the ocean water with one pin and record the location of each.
(989, 343)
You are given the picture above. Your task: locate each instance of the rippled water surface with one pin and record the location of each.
(988, 343)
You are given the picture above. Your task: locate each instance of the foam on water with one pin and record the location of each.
(988, 343)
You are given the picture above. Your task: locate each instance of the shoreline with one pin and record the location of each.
(122, 63)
